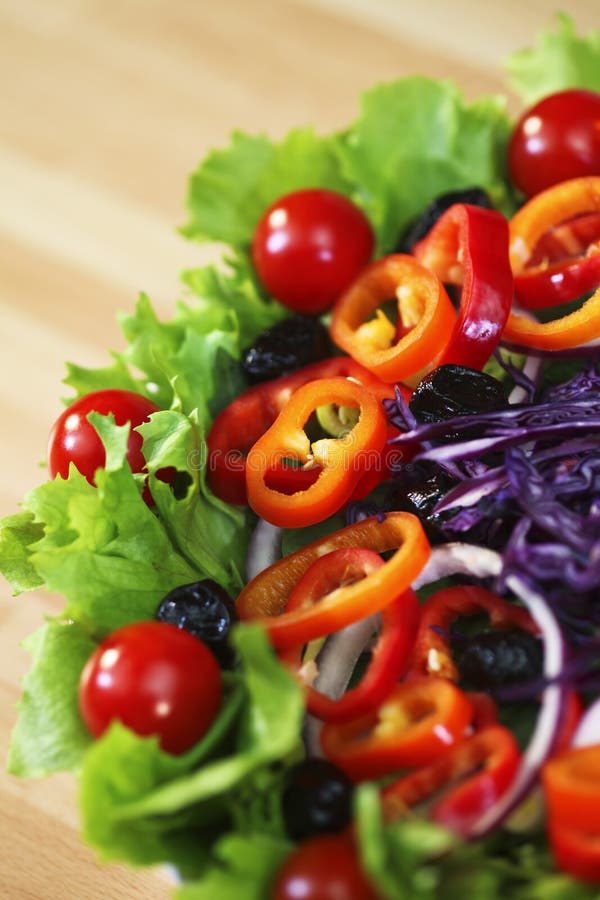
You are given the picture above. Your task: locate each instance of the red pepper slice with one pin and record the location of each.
(431, 654)
(538, 287)
(265, 597)
(246, 418)
(492, 754)
(416, 724)
(468, 245)
(575, 851)
(399, 622)
(424, 308)
(571, 781)
(343, 460)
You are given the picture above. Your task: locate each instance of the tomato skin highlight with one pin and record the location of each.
(309, 246)
(75, 440)
(323, 868)
(155, 679)
(556, 139)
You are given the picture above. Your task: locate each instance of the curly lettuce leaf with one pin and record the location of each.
(231, 188)
(415, 139)
(243, 867)
(17, 534)
(560, 59)
(50, 735)
(143, 805)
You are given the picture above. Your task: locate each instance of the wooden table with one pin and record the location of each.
(105, 108)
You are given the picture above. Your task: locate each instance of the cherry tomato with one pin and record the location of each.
(74, 440)
(309, 246)
(323, 868)
(154, 678)
(557, 139)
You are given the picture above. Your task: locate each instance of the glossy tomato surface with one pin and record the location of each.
(323, 868)
(74, 440)
(309, 246)
(555, 140)
(155, 679)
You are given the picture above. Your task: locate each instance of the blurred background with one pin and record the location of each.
(106, 106)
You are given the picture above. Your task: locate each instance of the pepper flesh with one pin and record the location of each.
(265, 597)
(389, 656)
(246, 419)
(343, 460)
(468, 246)
(492, 754)
(416, 724)
(550, 208)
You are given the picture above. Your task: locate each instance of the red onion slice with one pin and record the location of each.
(264, 548)
(532, 369)
(480, 562)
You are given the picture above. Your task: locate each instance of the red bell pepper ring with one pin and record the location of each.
(245, 419)
(399, 622)
(343, 460)
(415, 725)
(264, 599)
(468, 245)
(555, 244)
(432, 654)
(492, 754)
(575, 851)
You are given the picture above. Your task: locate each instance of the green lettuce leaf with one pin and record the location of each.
(560, 59)
(50, 735)
(17, 534)
(231, 188)
(415, 139)
(143, 805)
(243, 869)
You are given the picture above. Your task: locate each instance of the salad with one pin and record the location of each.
(331, 563)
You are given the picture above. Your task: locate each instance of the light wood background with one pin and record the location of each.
(105, 107)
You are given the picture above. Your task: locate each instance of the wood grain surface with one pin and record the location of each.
(105, 107)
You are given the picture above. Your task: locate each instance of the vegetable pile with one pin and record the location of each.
(329, 539)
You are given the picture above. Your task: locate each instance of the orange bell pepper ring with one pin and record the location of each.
(343, 460)
(558, 204)
(415, 725)
(426, 318)
(265, 597)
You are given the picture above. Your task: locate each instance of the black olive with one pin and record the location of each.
(207, 611)
(417, 488)
(452, 390)
(317, 799)
(495, 659)
(418, 229)
(287, 346)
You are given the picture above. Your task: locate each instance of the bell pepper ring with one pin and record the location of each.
(431, 653)
(389, 657)
(343, 460)
(468, 246)
(538, 287)
(415, 725)
(424, 309)
(487, 761)
(265, 597)
(575, 851)
(246, 418)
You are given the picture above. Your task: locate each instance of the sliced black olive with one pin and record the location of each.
(317, 799)
(207, 611)
(452, 390)
(495, 659)
(420, 227)
(287, 346)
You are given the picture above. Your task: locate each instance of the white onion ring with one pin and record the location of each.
(588, 730)
(264, 548)
(480, 562)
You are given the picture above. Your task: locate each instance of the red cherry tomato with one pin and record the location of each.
(309, 246)
(155, 679)
(74, 440)
(555, 140)
(323, 868)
